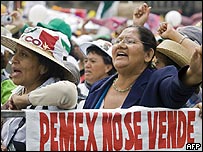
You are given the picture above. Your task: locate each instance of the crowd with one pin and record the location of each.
(129, 66)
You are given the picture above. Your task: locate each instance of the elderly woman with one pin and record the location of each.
(97, 64)
(190, 37)
(137, 83)
(39, 59)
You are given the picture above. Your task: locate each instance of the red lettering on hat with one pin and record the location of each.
(34, 41)
(48, 41)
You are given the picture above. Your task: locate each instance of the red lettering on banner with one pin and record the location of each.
(54, 144)
(190, 128)
(117, 132)
(65, 131)
(177, 134)
(66, 135)
(129, 142)
(137, 130)
(79, 143)
(91, 138)
(107, 131)
(162, 130)
(44, 130)
(172, 125)
(152, 129)
(181, 129)
(133, 134)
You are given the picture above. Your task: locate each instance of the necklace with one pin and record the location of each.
(121, 90)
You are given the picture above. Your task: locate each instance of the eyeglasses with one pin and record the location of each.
(127, 41)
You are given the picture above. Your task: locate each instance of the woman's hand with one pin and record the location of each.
(194, 72)
(18, 102)
(141, 14)
(166, 31)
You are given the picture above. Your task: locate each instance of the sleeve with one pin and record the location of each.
(62, 94)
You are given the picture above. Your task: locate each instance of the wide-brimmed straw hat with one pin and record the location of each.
(103, 45)
(48, 43)
(176, 52)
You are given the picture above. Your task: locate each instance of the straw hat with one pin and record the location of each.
(175, 52)
(103, 45)
(47, 43)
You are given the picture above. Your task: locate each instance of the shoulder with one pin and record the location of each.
(165, 71)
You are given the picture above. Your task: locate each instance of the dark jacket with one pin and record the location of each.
(153, 88)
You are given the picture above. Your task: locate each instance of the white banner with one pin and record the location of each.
(137, 128)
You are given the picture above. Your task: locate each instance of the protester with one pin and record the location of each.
(39, 60)
(98, 57)
(185, 94)
(98, 63)
(56, 24)
(137, 83)
(172, 53)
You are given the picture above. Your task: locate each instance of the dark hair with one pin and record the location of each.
(147, 37)
(106, 58)
(54, 70)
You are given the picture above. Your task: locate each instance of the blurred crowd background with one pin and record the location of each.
(76, 13)
(187, 8)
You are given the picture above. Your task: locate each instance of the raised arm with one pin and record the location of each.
(193, 75)
(141, 14)
(166, 31)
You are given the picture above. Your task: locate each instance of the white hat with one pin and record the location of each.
(105, 46)
(48, 43)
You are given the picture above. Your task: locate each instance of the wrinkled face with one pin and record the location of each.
(95, 68)
(26, 68)
(128, 51)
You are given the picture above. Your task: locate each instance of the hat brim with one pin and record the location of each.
(85, 45)
(176, 52)
(11, 43)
